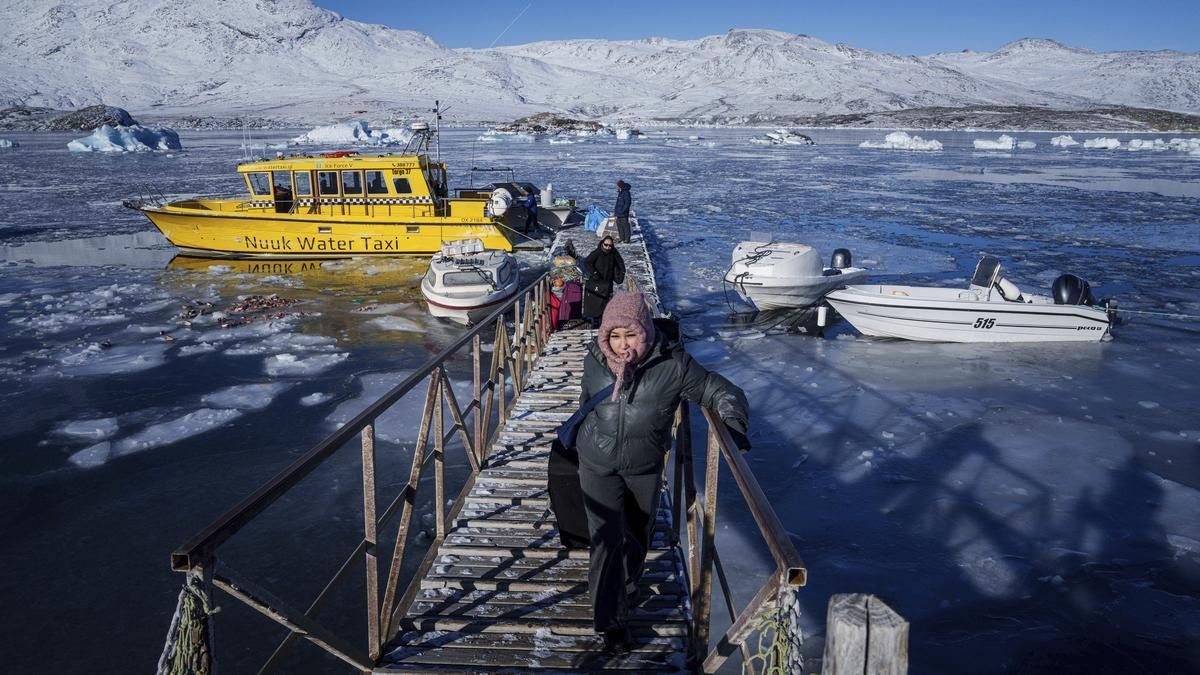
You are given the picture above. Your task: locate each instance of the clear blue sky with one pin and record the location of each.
(895, 26)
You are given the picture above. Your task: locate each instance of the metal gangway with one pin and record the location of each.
(493, 591)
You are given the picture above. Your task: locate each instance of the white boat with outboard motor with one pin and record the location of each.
(775, 275)
(467, 282)
(991, 309)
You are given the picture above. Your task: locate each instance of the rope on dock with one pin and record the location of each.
(188, 649)
(780, 639)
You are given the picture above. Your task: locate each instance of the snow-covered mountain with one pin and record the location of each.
(291, 60)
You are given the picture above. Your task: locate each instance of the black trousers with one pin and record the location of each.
(530, 221)
(623, 230)
(620, 512)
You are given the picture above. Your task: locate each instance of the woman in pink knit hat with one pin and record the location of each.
(622, 444)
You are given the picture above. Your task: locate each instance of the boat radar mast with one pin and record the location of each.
(419, 143)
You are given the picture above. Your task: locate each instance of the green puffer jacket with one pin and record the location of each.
(631, 434)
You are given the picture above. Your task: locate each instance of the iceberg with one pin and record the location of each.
(1005, 142)
(494, 136)
(1026, 145)
(1102, 143)
(5, 143)
(1155, 145)
(352, 133)
(135, 138)
(781, 137)
(1063, 141)
(899, 140)
(1188, 145)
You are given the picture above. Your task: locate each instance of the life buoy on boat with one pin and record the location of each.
(340, 153)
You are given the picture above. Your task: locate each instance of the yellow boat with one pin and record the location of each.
(336, 205)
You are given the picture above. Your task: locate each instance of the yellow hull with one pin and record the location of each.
(263, 233)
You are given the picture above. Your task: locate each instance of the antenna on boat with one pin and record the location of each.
(437, 129)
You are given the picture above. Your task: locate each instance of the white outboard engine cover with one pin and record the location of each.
(501, 200)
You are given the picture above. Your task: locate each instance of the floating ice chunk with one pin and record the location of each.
(781, 137)
(246, 396)
(1005, 142)
(899, 140)
(315, 398)
(1026, 145)
(352, 133)
(1063, 141)
(1148, 405)
(1102, 143)
(96, 360)
(92, 456)
(290, 364)
(200, 348)
(622, 134)
(1188, 145)
(136, 138)
(494, 136)
(98, 430)
(396, 323)
(1155, 145)
(5, 143)
(173, 431)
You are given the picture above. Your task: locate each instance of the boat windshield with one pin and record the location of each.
(466, 278)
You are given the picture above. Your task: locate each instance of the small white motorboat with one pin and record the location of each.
(774, 275)
(466, 282)
(991, 309)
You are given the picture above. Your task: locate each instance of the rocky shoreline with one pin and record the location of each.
(971, 118)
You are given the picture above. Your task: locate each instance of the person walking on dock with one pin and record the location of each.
(531, 210)
(605, 268)
(622, 444)
(621, 211)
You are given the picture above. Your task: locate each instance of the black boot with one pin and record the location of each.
(618, 641)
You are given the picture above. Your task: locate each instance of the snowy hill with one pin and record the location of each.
(291, 60)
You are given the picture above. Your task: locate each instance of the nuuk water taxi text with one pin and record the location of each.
(334, 205)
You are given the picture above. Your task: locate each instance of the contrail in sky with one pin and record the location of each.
(510, 25)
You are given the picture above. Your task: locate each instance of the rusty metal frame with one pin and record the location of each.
(512, 356)
(701, 558)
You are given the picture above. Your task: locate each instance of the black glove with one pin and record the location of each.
(737, 431)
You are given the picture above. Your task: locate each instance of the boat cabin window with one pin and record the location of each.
(327, 183)
(375, 183)
(260, 183)
(282, 182)
(402, 186)
(303, 184)
(505, 273)
(352, 183)
(466, 278)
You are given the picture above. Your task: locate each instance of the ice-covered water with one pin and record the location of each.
(1025, 507)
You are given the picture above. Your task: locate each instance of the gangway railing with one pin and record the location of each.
(695, 515)
(514, 350)
(514, 347)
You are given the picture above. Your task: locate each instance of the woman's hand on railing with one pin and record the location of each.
(739, 437)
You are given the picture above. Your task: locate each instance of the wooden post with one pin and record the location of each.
(439, 455)
(406, 511)
(476, 348)
(371, 538)
(864, 635)
(702, 601)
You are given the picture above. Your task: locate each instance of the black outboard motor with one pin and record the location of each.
(1069, 289)
(840, 259)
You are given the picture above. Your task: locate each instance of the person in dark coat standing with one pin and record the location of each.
(605, 268)
(622, 444)
(529, 201)
(621, 210)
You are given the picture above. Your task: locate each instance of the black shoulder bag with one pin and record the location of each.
(566, 495)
